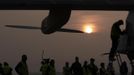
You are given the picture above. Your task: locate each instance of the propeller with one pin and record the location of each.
(37, 28)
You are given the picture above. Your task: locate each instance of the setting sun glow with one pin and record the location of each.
(88, 28)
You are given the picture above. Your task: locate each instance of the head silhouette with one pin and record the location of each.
(24, 58)
(77, 59)
(92, 60)
(102, 64)
(85, 62)
(52, 62)
(67, 64)
(120, 22)
(5, 64)
(42, 62)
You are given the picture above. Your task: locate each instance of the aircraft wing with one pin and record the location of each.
(38, 28)
(22, 27)
(69, 30)
(72, 4)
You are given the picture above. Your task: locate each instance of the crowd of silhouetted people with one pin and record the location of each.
(91, 68)
(21, 68)
(48, 68)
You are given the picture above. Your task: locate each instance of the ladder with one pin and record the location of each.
(119, 59)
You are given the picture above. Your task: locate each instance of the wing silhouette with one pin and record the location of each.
(22, 27)
(69, 30)
(37, 28)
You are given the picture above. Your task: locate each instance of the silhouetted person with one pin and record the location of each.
(86, 71)
(76, 68)
(66, 69)
(51, 68)
(123, 68)
(44, 66)
(115, 35)
(110, 69)
(92, 67)
(7, 70)
(22, 68)
(1, 69)
(102, 69)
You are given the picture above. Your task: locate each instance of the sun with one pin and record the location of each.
(88, 28)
